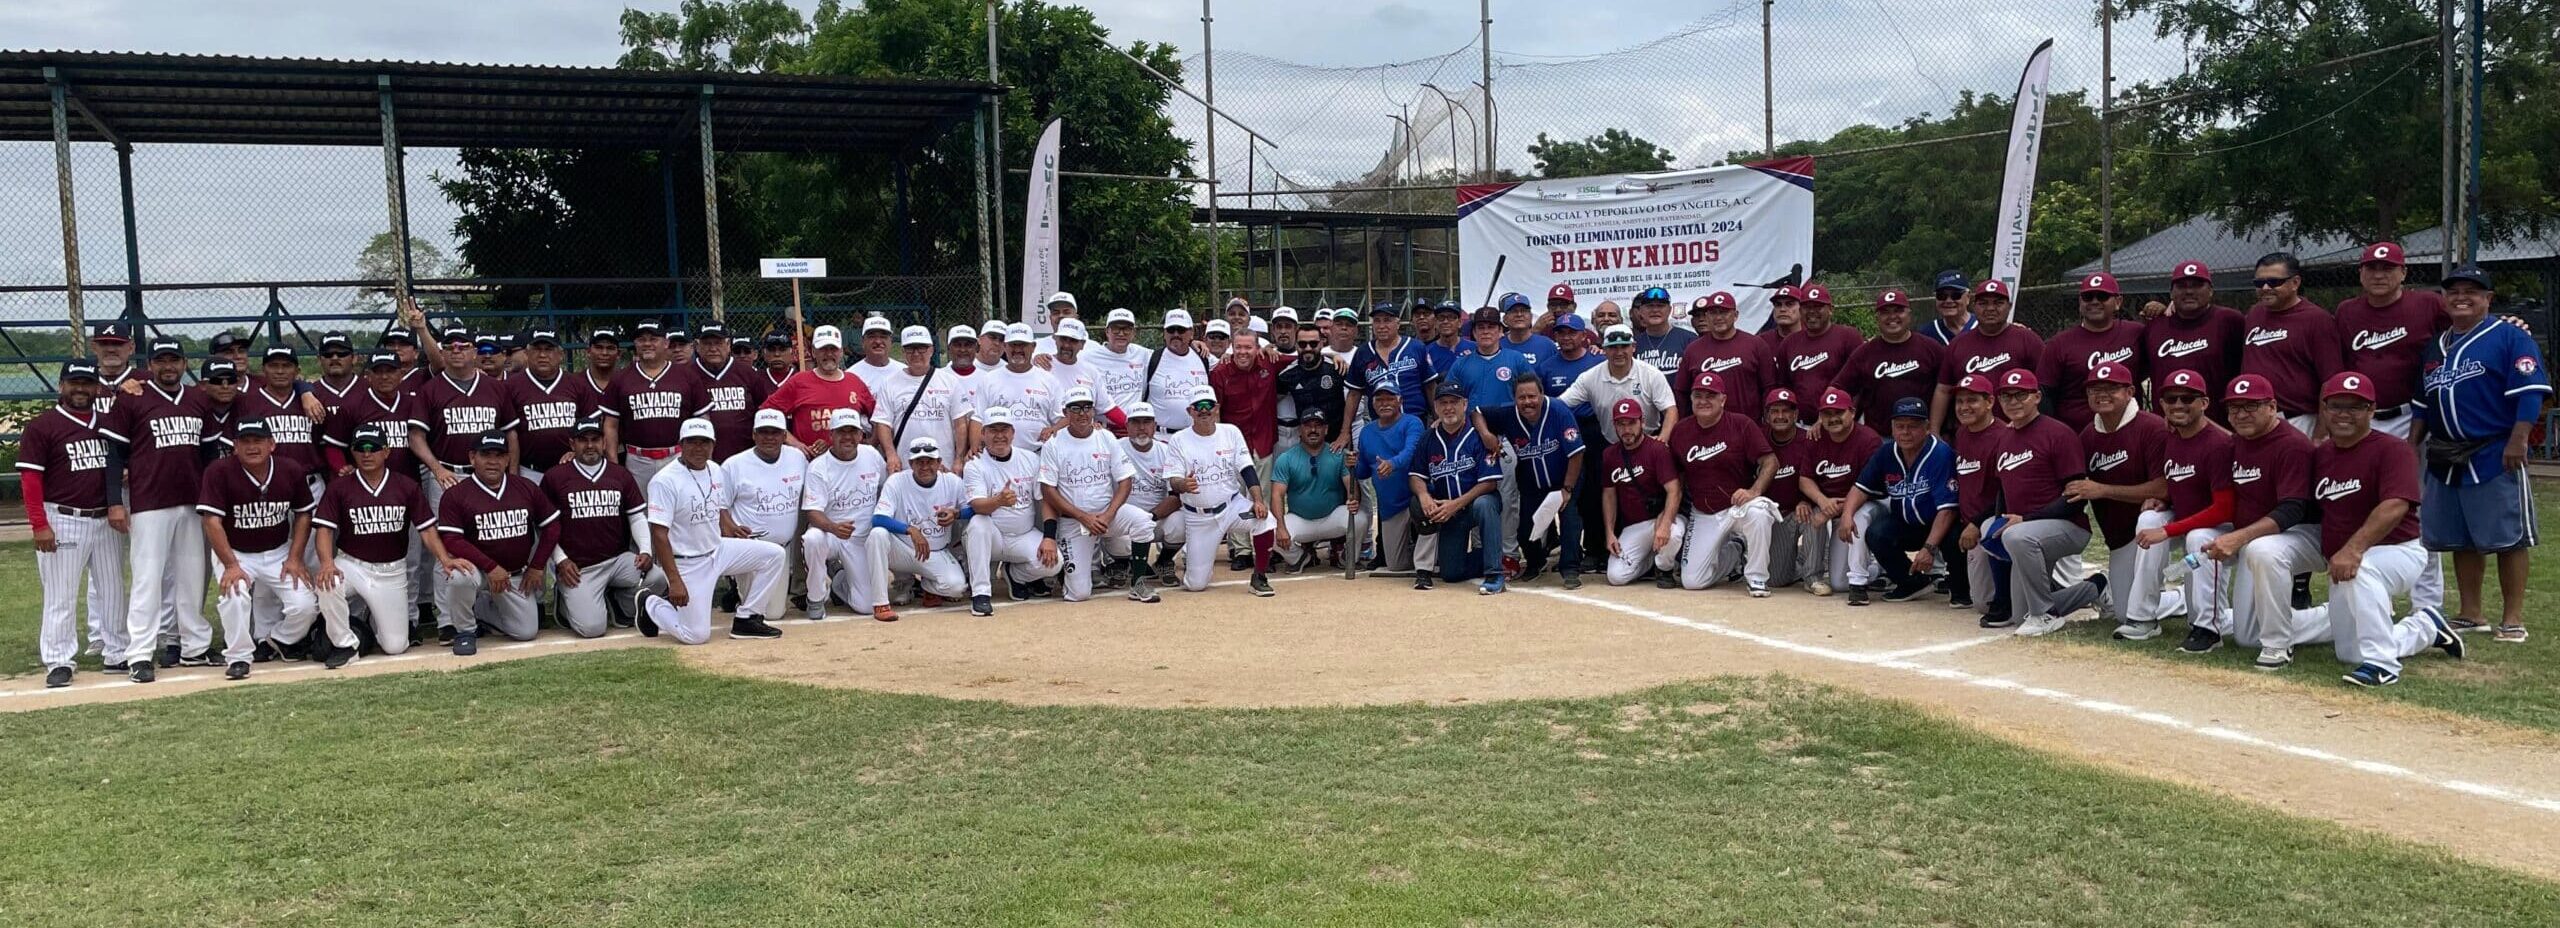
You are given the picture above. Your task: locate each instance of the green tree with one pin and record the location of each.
(380, 261)
(1615, 151)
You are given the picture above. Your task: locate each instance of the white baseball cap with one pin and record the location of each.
(1285, 312)
(1070, 328)
(923, 446)
(1258, 326)
(1218, 327)
(1077, 394)
(1119, 316)
(877, 324)
(1177, 319)
(772, 419)
(1139, 410)
(916, 335)
(993, 416)
(844, 419)
(961, 331)
(993, 329)
(697, 427)
(1059, 297)
(1019, 333)
(1204, 392)
(827, 336)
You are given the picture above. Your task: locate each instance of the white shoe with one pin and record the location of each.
(2273, 658)
(1818, 587)
(2039, 626)
(1759, 592)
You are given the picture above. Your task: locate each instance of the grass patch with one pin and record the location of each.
(620, 788)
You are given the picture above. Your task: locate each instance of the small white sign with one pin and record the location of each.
(795, 267)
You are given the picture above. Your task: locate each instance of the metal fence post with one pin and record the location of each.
(70, 216)
(667, 210)
(391, 183)
(711, 210)
(2107, 136)
(132, 247)
(986, 261)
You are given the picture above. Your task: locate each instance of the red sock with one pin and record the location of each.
(1262, 553)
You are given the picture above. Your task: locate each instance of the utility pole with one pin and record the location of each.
(1768, 88)
(2445, 168)
(1484, 39)
(1209, 101)
(2107, 136)
(2471, 211)
(995, 159)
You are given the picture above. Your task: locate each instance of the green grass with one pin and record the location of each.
(623, 789)
(2518, 684)
(22, 610)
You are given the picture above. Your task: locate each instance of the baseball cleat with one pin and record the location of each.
(239, 670)
(752, 626)
(2200, 640)
(1260, 585)
(2274, 658)
(114, 666)
(640, 600)
(338, 657)
(883, 613)
(1857, 596)
(982, 606)
(465, 643)
(2367, 675)
(2137, 631)
(195, 660)
(1421, 581)
(168, 655)
(265, 652)
(1759, 591)
(57, 678)
(145, 673)
(2445, 636)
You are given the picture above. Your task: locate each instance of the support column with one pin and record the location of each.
(995, 172)
(986, 262)
(70, 216)
(132, 247)
(711, 209)
(391, 185)
(1209, 101)
(2107, 136)
(667, 215)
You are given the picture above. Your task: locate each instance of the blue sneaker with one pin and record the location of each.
(1492, 586)
(2368, 675)
(2446, 636)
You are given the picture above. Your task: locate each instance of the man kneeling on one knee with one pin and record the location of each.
(2027, 520)
(1006, 529)
(696, 542)
(498, 531)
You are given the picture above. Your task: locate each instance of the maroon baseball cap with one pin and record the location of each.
(2019, 379)
(1627, 410)
(1836, 398)
(1993, 287)
(2100, 283)
(1977, 383)
(1816, 294)
(2348, 383)
(2189, 381)
(1716, 300)
(2191, 270)
(2383, 253)
(1778, 395)
(2112, 372)
(1783, 292)
(2249, 388)
(1708, 382)
(1560, 292)
(1892, 298)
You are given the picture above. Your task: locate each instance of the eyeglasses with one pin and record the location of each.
(366, 447)
(2269, 283)
(1079, 407)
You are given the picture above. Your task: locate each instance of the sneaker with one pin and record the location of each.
(57, 678)
(1240, 562)
(2038, 626)
(1391, 574)
(1492, 587)
(239, 670)
(114, 666)
(1140, 591)
(2367, 675)
(145, 672)
(1573, 581)
(1666, 580)
(982, 605)
(338, 657)
(1759, 591)
(752, 626)
(1512, 566)
(1959, 602)
(1536, 566)
(1999, 618)
(928, 601)
(2200, 640)
(1818, 586)
(2510, 634)
(1879, 584)
(444, 634)
(2078, 596)
(1857, 596)
(96, 648)
(1907, 590)
(169, 655)
(882, 613)
(2273, 658)
(1260, 585)
(1421, 581)
(465, 643)
(265, 652)
(1016, 591)
(640, 603)
(2137, 631)
(195, 660)
(1164, 574)
(817, 615)
(294, 653)
(2445, 637)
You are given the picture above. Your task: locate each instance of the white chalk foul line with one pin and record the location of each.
(1894, 660)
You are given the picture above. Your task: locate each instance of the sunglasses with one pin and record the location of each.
(362, 447)
(2181, 399)
(2093, 298)
(1310, 346)
(1220, 335)
(1076, 407)
(337, 354)
(1203, 406)
(2269, 283)
(224, 381)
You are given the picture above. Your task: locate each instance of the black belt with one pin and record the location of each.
(2394, 412)
(98, 513)
(1211, 511)
(695, 557)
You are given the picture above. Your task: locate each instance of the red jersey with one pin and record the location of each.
(374, 523)
(549, 412)
(810, 399)
(2267, 470)
(453, 414)
(2071, 354)
(1642, 479)
(1975, 450)
(2296, 350)
(1745, 363)
(511, 525)
(1812, 361)
(2132, 454)
(731, 396)
(1716, 460)
(2353, 483)
(256, 509)
(164, 438)
(2389, 343)
(391, 415)
(297, 437)
(69, 450)
(1834, 463)
(2208, 344)
(1976, 352)
(595, 509)
(1784, 489)
(2196, 466)
(334, 395)
(2035, 460)
(1250, 401)
(1881, 373)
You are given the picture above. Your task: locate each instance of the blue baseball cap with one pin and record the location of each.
(1512, 301)
(1952, 280)
(1910, 407)
(1654, 295)
(1572, 322)
(1387, 309)
(2472, 273)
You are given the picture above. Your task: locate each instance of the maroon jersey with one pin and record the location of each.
(493, 527)
(2035, 460)
(164, 439)
(2132, 454)
(2072, 353)
(391, 415)
(1881, 373)
(334, 396)
(1834, 464)
(549, 411)
(1641, 479)
(1974, 453)
(415, 379)
(652, 408)
(297, 437)
(113, 387)
(1716, 460)
(1784, 490)
(2296, 350)
(772, 378)
(2196, 465)
(1745, 363)
(374, 523)
(2208, 344)
(2388, 343)
(595, 509)
(2267, 470)
(2355, 480)
(70, 450)
(455, 413)
(1812, 361)
(1974, 352)
(593, 392)
(733, 392)
(256, 510)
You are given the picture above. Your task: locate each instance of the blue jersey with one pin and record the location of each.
(1555, 373)
(1401, 369)
(1488, 377)
(1915, 490)
(1451, 464)
(1538, 348)
(1437, 360)
(1394, 445)
(1543, 447)
(2478, 385)
(1937, 330)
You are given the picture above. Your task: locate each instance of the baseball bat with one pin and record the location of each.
(1498, 262)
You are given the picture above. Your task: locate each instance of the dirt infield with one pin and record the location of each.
(2486, 792)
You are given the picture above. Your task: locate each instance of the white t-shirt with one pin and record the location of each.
(846, 491)
(1021, 473)
(1147, 472)
(938, 405)
(1086, 374)
(1594, 389)
(767, 493)
(1085, 470)
(1215, 461)
(1177, 375)
(873, 375)
(903, 500)
(1123, 372)
(689, 503)
(1031, 395)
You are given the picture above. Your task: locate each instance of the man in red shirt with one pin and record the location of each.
(2291, 342)
(2100, 338)
(812, 397)
(2028, 517)
(1993, 347)
(2127, 449)
(2196, 468)
(1744, 360)
(72, 491)
(1725, 466)
(1837, 449)
(2384, 330)
(1895, 364)
(1641, 490)
(1793, 551)
(1814, 355)
(2272, 511)
(2192, 333)
(1249, 396)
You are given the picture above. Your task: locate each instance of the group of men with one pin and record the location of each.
(1963, 453)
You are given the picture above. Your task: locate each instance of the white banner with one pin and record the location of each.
(1743, 229)
(793, 267)
(1040, 272)
(2018, 188)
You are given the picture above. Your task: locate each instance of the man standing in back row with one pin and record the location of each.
(2484, 391)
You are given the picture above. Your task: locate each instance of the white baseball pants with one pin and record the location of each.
(1076, 547)
(165, 600)
(1201, 531)
(385, 591)
(267, 593)
(1636, 551)
(989, 546)
(939, 574)
(864, 582)
(1335, 524)
(2135, 576)
(2358, 613)
(756, 563)
(2212, 586)
(1842, 564)
(1704, 562)
(587, 608)
(2266, 618)
(84, 549)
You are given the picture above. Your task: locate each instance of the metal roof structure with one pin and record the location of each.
(2427, 246)
(2204, 238)
(135, 98)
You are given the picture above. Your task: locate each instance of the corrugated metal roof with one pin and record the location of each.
(2204, 238)
(2425, 247)
(157, 98)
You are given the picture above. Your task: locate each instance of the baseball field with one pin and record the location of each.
(1349, 752)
